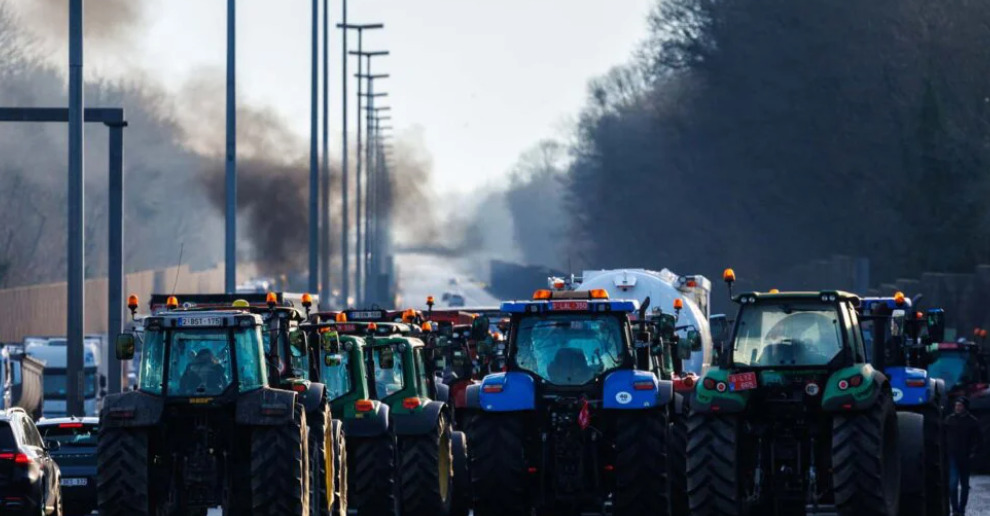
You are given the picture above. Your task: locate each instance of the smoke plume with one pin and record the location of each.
(106, 21)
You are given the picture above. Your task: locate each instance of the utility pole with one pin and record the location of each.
(370, 96)
(76, 252)
(325, 293)
(230, 248)
(344, 171)
(369, 196)
(314, 157)
(360, 28)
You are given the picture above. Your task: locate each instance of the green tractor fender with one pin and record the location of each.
(265, 407)
(369, 423)
(420, 420)
(854, 388)
(713, 394)
(131, 409)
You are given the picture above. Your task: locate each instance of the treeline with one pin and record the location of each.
(768, 133)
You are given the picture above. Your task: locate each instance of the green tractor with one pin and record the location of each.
(794, 419)
(288, 363)
(401, 443)
(203, 428)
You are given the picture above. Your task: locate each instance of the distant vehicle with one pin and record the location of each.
(29, 477)
(53, 353)
(453, 281)
(21, 380)
(456, 301)
(76, 458)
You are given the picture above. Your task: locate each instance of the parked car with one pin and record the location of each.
(76, 457)
(29, 476)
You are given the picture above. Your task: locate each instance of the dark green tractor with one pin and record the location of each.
(794, 419)
(401, 462)
(203, 427)
(286, 350)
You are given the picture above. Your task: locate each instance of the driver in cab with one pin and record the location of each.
(203, 374)
(798, 340)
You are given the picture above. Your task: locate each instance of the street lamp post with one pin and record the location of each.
(371, 273)
(369, 194)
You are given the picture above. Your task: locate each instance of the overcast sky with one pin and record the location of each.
(483, 80)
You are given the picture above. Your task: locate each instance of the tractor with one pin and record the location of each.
(794, 419)
(578, 420)
(287, 356)
(897, 339)
(965, 368)
(203, 428)
(417, 424)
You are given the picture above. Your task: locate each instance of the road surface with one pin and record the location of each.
(422, 275)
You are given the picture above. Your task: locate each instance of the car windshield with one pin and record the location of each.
(793, 334)
(388, 372)
(71, 434)
(569, 349)
(55, 387)
(336, 374)
(952, 367)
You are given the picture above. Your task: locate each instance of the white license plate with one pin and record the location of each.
(75, 482)
(200, 321)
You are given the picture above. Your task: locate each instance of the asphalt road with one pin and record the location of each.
(422, 275)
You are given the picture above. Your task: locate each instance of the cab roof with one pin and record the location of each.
(203, 319)
(827, 296)
(569, 305)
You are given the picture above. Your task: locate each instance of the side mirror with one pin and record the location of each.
(479, 328)
(297, 339)
(332, 360)
(124, 346)
(935, 321)
(386, 358)
(330, 341)
(53, 446)
(694, 339)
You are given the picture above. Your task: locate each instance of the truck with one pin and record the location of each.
(21, 380)
(578, 420)
(53, 352)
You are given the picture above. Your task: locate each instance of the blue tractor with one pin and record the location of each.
(897, 338)
(578, 420)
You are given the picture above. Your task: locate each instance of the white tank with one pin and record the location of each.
(663, 288)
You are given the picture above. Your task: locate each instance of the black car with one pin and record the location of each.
(29, 476)
(76, 457)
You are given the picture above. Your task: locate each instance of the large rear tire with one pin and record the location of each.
(498, 465)
(320, 450)
(122, 472)
(713, 463)
(461, 504)
(911, 446)
(339, 468)
(371, 474)
(280, 468)
(866, 470)
(677, 462)
(641, 464)
(426, 472)
(936, 464)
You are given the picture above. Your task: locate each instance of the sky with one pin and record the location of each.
(479, 82)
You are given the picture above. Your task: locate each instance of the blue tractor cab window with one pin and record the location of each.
(569, 349)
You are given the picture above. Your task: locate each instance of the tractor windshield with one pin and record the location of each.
(388, 371)
(569, 349)
(336, 374)
(954, 368)
(793, 334)
(293, 361)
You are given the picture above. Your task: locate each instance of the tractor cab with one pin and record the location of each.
(201, 355)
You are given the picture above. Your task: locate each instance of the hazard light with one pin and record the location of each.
(240, 303)
(729, 275)
(307, 300)
(132, 302)
(171, 302)
(899, 298)
(542, 294)
(599, 293)
(774, 291)
(678, 303)
(271, 300)
(340, 317)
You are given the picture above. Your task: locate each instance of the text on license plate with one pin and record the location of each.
(73, 482)
(742, 381)
(200, 321)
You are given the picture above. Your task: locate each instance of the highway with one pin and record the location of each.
(422, 275)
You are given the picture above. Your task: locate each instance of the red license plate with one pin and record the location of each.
(570, 305)
(742, 381)
(345, 328)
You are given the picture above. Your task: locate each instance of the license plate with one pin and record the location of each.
(367, 316)
(75, 482)
(345, 328)
(742, 381)
(569, 305)
(200, 321)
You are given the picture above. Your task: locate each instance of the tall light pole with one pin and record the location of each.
(325, 293)
(366, 256)
(360, 28)
(76, 252)
(372, 171)
(314, 157)
(230, 249)
(368, 57)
